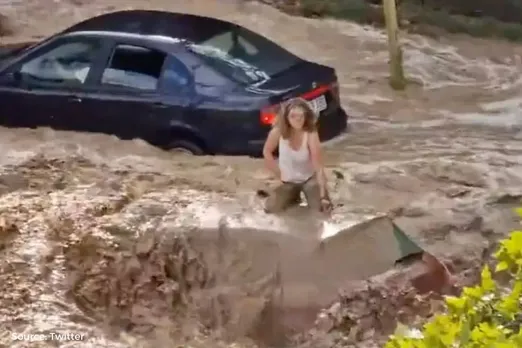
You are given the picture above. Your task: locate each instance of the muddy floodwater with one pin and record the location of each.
(91, 225)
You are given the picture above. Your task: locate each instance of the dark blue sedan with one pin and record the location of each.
(178, 81)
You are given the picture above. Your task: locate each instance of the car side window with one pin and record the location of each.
(134, 67)
(241, 47)
(234, 54)
(66, 64)
(176, 77)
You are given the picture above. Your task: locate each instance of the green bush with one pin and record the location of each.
(486, 315)
(422, 19)
(477, 27)
(359, 11)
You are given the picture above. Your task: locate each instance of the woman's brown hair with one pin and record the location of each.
(282, 118)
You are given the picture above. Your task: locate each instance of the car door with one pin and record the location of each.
(130, 101)
(15, 104)
(41, 87)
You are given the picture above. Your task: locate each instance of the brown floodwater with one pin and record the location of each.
(91, 227)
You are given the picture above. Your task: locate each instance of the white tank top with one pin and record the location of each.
(295, 165)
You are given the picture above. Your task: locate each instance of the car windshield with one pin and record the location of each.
(243, 56)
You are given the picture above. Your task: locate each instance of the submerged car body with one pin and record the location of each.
(176, 80)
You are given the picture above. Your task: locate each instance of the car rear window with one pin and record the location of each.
(243, 55)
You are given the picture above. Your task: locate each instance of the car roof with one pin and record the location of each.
(154, 23)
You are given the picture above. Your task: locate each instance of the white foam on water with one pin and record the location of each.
(504, 114)
(438, 65)
(368, 99)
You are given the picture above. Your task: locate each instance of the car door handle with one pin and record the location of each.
(160, 105)
(75, 99)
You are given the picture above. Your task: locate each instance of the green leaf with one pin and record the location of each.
(501, 266)
(512, 248)
(465, 333)
(456, 305)
(487, 280)
(474, 293)
(519, 211)
(517, 289)
(490, 331)
(508, 306)
(477, 335)
(516, 237)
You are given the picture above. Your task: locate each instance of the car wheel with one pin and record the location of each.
(185, 147)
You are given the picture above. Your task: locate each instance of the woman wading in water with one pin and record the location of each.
(300, 166)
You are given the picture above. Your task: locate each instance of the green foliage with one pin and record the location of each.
(359, 11)
(423, 19)
(452, 23)
(483, 316)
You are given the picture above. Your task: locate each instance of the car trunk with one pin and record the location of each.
(289, 83)
(309, 81)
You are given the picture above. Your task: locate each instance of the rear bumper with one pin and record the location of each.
(255, 148)
(332, 123)
(333, 129)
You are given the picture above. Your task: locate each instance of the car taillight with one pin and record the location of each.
(268, 115)
(315, 92)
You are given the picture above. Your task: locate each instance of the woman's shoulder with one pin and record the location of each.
(274, 135)
(312, 138)
(275, 131)
(311, 133)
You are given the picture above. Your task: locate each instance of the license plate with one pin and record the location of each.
(318, 104)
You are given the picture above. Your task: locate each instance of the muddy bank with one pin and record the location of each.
(121, 255)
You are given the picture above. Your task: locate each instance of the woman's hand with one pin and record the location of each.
(326, 205)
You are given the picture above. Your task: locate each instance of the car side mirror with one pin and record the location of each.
(16, 76)
(12, 77)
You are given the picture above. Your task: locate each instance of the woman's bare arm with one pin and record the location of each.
(314, 145)
(271, 143)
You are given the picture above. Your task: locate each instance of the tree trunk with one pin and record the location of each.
(397, 79)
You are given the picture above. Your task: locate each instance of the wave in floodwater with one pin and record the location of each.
(439, 65)
(95, 231)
